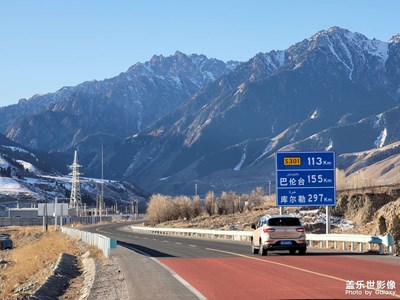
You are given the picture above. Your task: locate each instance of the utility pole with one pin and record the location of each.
(137, 209)
(55, 214)
(101, 202)
(96, 211)
(45, 223)
(195, 189)
(269, 189)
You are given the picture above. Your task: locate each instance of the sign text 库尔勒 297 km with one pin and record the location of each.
(305, 178)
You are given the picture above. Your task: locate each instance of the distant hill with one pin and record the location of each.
(29, 176)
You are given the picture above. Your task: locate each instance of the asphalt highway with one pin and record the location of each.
(215, 269)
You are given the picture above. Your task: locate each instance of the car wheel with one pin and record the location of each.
(262, 251)
(254, 250)
(302, 251)
(292, 251)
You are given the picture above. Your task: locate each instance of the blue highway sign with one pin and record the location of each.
(305, 178)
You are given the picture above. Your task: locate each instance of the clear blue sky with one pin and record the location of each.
(48, 44)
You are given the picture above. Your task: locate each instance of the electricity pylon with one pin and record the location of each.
(75, 198)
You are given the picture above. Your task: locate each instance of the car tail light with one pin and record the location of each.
(300, 229)
(268, 230)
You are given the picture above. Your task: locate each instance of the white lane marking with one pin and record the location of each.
(178, 243)
(165, 241)
(176, 276)
(194, 246)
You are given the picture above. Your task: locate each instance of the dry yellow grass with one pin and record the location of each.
(34, 255)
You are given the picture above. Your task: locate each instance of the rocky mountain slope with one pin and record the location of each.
(337, 90)
(112, 108)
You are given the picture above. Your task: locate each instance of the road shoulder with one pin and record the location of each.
(147, 279)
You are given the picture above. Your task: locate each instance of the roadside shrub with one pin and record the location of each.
(222, 204)
(165, 208)
(256, 198)
(160, 209)
(182, 204)
(209, 203)
(195, 207)
(240, 203)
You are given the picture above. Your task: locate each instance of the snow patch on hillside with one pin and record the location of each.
(314, 115)
(380, 141)
(265, 152)
(242, 160)
(371, 47)
(17, 149)
(330, 145)
(377, 120)
(10, 186)
(28, 166)
(349, 66)
(3, 163)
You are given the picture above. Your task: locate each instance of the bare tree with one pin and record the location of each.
(156, 209)
(209, 203)
(240, 203)
(195, 207)
(256, 198)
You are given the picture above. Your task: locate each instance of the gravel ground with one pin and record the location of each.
(100, 279)
(109, 282)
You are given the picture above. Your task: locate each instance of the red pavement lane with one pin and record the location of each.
(282, 277)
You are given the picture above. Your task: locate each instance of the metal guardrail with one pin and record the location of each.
(204, 233)
(323, 239)
(100, 241)
(353, 239)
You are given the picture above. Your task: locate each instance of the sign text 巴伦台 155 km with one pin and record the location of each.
(305, 178)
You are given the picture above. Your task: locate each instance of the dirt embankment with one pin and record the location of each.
(25, 268)
(361, 208)
(372, 213)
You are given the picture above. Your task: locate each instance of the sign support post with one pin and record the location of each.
(328, 220)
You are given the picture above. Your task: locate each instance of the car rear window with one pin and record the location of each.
(284, 222)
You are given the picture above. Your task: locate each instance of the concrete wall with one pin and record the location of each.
(23, 212)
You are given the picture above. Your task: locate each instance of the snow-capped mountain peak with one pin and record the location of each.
(129, 102)
(395, 39)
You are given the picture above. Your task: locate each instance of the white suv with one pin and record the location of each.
(278, 232)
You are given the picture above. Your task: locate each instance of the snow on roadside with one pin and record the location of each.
(311, 217)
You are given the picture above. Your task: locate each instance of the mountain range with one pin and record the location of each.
(182, 120)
